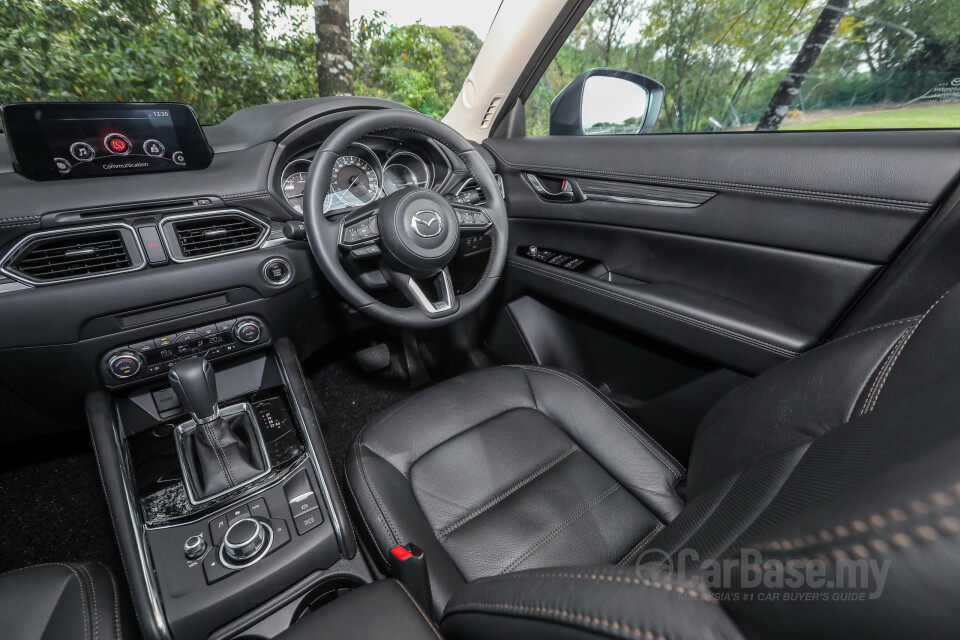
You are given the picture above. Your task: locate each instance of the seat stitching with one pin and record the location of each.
(93, 591)
(694, 589)
(365, 523)
(643, 542)
(876, 521)
(879, 373)
(83, 595)
(676, 468)
(420, 609)
(579, 513)
(903, 345)
(116, 603)
(385, 520)
(581, 617)
(506, 493)
(869, 329)
(667, 313)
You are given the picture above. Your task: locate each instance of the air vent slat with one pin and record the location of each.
(212, 235)
(75, 255)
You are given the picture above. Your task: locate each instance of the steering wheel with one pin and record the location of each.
(414, 232)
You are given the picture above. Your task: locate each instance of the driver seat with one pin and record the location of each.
(525, 467)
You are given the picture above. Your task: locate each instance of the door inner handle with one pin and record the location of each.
(554, 189)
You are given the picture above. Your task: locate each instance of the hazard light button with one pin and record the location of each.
(152, 245)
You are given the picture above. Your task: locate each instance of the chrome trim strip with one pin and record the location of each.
(444, 304)
(191, 425)
(169, 220)
(337, 529)
(631, 200)
(31, 237)
(146, 564)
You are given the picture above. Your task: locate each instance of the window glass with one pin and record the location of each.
(744, 65)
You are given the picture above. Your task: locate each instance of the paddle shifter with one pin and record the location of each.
(219, 450)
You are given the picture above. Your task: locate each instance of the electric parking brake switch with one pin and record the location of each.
(409, 566)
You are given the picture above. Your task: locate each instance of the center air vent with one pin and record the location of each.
(201, 236)
(49, 257)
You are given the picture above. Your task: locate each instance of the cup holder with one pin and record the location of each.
(325, 593)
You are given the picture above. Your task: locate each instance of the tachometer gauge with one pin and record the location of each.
(405, 169)
(293, 186)
(354, 181)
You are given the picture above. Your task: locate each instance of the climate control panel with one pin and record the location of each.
(154, 357)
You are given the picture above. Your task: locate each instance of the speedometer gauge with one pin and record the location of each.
(354, 181)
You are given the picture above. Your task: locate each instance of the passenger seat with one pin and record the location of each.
(62, 601)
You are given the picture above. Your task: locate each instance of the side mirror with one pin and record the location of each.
(606, 101)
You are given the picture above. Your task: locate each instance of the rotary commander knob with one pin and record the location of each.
(244, 541)
(248, 331)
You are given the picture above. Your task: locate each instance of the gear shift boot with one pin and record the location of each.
(219, 449)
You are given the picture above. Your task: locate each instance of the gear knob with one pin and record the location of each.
(195, 383)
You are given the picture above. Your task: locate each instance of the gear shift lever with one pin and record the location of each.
(219, 452)
(194, 382)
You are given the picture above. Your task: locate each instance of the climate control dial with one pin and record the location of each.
(125, 364)
(248, 331)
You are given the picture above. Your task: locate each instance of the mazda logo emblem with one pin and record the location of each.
(427, 224)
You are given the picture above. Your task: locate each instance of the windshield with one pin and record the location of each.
(219, 57)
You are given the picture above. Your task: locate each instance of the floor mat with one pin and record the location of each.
(54, 506)
(352, 398)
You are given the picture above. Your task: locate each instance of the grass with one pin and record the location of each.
(920, 117)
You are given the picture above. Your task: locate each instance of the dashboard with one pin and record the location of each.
(100, 265)
(369, 169)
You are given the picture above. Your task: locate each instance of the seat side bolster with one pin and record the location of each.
(585, 602)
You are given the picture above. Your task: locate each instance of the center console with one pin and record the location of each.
(230, 520)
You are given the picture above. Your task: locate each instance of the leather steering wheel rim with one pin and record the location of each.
(323, 234)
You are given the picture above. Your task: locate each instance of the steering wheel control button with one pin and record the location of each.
(82, 151)
(154, 148)
(117, 144)
(470, 219)
(125, 364)
(248, 331)
(194, 547)
(277, 272)
(364, 253)
(245, 541)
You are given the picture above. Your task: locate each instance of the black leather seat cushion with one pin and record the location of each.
(507, 469)
(64, 601)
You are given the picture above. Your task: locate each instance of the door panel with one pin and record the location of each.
(740, 250)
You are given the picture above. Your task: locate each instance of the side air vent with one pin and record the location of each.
(192, 237)
(58, 256)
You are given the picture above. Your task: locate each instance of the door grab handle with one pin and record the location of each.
(567, 193)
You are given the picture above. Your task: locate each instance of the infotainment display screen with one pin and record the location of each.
(56, 141)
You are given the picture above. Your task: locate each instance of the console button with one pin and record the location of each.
(213, 569)
(150, 238)
(258, 508)
(245, 540)
(308, 521)
(165, 341)
(218, 527)
(238, 514)
(281, 533)
(207, 330)
(154, 369)
(215, 352)
(303, 503)
(144, 347)
(226, 325)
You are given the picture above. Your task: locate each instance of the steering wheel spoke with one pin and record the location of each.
(473, 219)
(434, 295)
